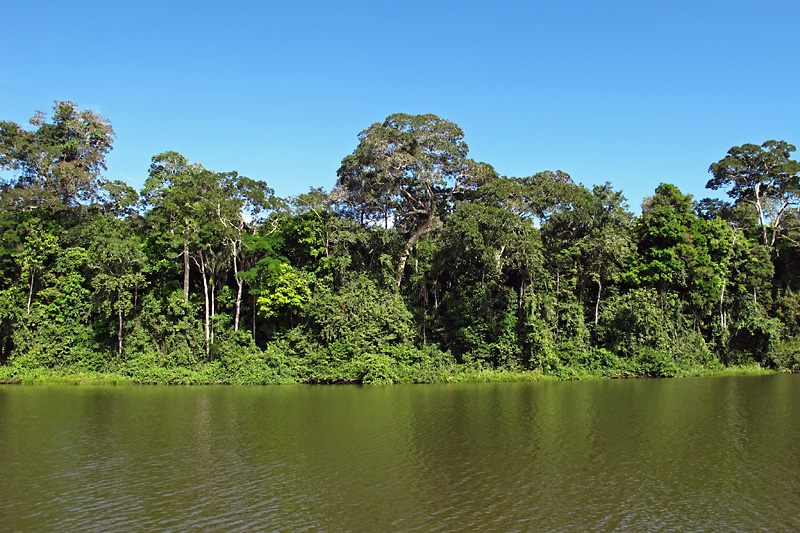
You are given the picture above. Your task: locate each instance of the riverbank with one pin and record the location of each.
(452, 374)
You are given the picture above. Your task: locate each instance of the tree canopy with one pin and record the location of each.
(59, 163)
(420, 265)
(406, 169)
(765, 178)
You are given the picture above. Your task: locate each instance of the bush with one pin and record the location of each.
(785, 356)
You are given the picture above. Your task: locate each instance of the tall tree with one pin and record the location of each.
(608, 240)
(59, 163)
(168, 193)
(405, 170)
(682, 254)
(765, 178)
(118, 263)
(183, 200)
(666, 238)
(484, 257)
(240, 201)
(586, 232)
(38, 245)
(207, 214)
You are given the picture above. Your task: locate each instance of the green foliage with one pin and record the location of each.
(421, 266)
(240, 360)
(286, 290)
(59, 163)
(360, 317)
(679, 252)
(407, 169)
(785, 356)
(636, 320)
(755, 333)
(765, 179)
(403, 167)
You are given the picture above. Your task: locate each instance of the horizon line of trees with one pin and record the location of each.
(420, 258)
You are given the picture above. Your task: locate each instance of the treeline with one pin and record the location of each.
(419, 264)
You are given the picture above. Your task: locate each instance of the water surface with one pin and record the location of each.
(660, 455)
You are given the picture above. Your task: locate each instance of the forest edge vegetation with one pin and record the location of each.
(421, 265)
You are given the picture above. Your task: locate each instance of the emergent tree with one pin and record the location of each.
(765, 178)
(59, 163)
(405, 170)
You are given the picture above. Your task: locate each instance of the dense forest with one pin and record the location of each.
(420, 263)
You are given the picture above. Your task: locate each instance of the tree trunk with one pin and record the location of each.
(119, 329)
(186, 273)
(497, 259)
(239, 283)
(254, 318)
(723, 318)
(424, 228)
(202, 266)
(30, 292)
(597, 303)
(213, 310)
(760, 209)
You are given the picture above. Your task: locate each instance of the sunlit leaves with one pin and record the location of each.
(58, 164)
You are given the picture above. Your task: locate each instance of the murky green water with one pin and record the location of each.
(708, 454)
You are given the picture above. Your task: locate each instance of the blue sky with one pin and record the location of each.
(632, 92)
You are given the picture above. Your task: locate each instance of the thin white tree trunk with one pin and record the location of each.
(213, 311)
(498, 256)
(760, 210)
(202, 266)
(186, 273)
(597, 303)
(30, 291)
(119, 329)
(240, 284)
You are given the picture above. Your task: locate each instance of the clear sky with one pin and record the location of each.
(632, 92)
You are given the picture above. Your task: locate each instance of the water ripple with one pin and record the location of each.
(713, 454)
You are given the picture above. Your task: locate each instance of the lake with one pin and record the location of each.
(691, 454)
